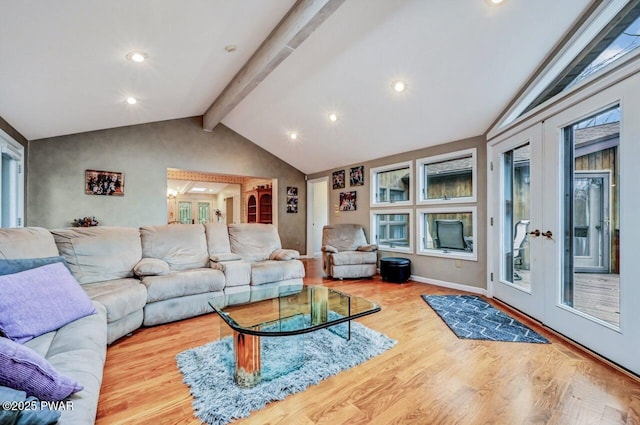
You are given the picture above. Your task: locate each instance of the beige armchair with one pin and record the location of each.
(346, 253)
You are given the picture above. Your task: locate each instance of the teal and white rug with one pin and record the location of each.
(208, 370)
(469, 316)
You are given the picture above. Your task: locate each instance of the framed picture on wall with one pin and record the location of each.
(356, 176)
(292, 199)
(338, 178)
(348, 201)
(110, 183)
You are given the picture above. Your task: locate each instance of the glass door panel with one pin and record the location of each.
(589, 283)
(516, 168)
(204, 212)
(184, 212)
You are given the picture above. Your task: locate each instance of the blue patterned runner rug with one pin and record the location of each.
(469, 316)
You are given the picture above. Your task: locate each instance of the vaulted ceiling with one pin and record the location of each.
(63, 69)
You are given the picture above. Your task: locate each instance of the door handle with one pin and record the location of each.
(548, 234)
(535, 233)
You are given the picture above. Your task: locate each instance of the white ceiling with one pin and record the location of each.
(63, 69)
(181, 187)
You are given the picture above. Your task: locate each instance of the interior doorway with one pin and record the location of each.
(202, 197)
(317, 213)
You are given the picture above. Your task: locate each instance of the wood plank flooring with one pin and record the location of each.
(429, 377)
(597, 294)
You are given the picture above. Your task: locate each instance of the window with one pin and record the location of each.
(447, 178)
(611, 34)
(391, 184)
(11, 182)
(448, 232)
(391, 230)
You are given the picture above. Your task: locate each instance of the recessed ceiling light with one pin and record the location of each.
(495, 2)
(333, 117)
(132, 100)
(137, 56)
(293, 135)
(198, 189)
(399, 86)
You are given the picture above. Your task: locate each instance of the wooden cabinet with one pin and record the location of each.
(259, 206)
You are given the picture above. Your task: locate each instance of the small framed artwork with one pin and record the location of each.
(292, 204)
(356, 176)
(348, 201)
(292, 199)
(109, 183)
(338, 179)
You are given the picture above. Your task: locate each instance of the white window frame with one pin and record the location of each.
(374, 184)
(13, 149)
(373, 230)
(421, 189)
(422, 250)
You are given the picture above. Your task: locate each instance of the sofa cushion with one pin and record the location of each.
(179, 284)
(367, 248)
(284, 255)
(41, 415)
(97, 254)
(121, 297)
(22, 264)
(23, 369)
(217, 238)
(227, 256)
(29, 242)
(353, 257)
(40, 300)
(344, 237)
(274, 271)
(182, 246)
(236, 273)
(78, 350)
(254, 242)
(151, 267)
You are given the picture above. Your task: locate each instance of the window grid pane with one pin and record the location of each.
(393, 185)
(449, 179)
(392, 230)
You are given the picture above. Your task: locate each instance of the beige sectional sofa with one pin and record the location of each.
(147, 276)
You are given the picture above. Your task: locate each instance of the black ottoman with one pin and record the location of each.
(395, 269)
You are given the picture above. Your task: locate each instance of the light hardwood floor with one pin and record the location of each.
(429, 377)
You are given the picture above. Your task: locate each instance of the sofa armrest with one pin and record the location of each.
(367, 248)
(227, 256)
(151, 267)
(328, 248)
(284, 255)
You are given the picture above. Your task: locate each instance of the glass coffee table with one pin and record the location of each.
(286, 311)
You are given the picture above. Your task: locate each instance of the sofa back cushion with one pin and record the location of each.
(182, 246)
(96, 254)
(28, 242)
(254, 242)
(217, 238)
(344, 237)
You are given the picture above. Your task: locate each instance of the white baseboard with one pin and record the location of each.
(444, 284)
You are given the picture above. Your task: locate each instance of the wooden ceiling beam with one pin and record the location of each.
(303, 18)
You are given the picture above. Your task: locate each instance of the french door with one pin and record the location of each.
(564, 202)
(516, 172)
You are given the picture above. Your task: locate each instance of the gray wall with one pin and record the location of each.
(471, 273)
(143, 153)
